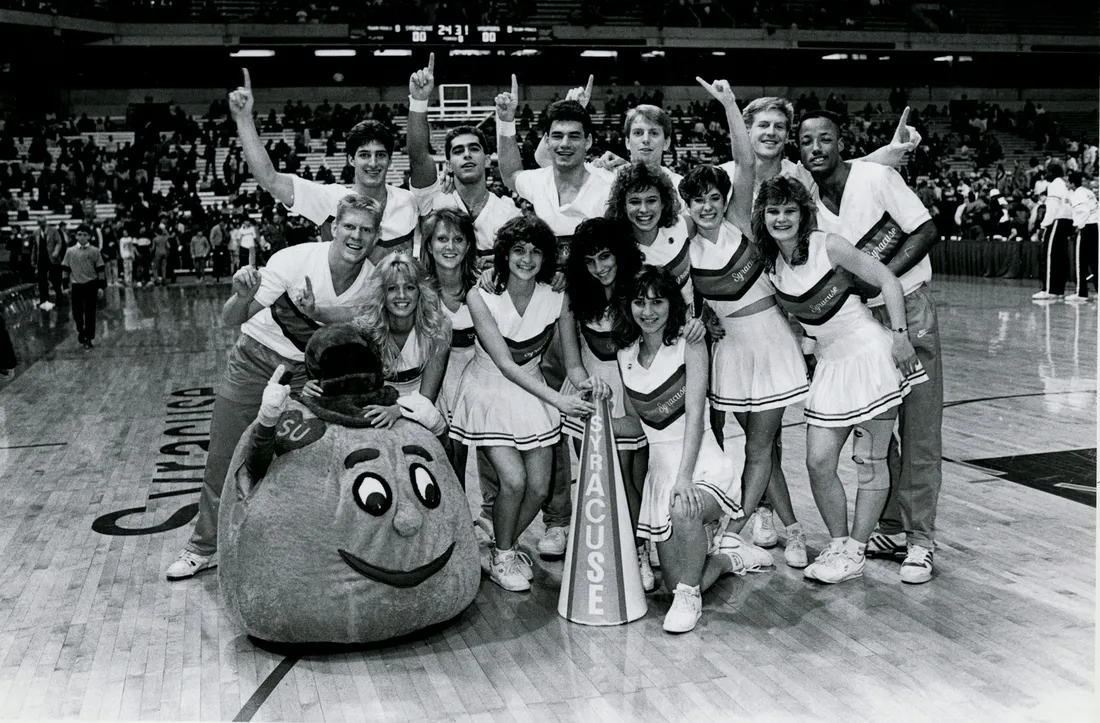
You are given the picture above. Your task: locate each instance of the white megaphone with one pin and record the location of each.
(601, 584)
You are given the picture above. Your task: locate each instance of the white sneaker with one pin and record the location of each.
(1045, 296)
(524, 565)
(833, 548)
(917, 567)
(733, 554)
(1076, 299)
(763, 528)
(46, 305)
(649, 581)
(687, 608)
(755, 558)
(187, 564)
(504, 571)
(795, 551)
(840, 567)
(552, 544)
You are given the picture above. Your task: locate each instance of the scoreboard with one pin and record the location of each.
(452, 34)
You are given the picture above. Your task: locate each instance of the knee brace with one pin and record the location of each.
(872, 473)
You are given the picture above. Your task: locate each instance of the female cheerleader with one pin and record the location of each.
(691, 482)
(503, 402)
(645, 200)
(756, 365)
(403, 316)
(602, 261)
(863, 370)
(449, 253)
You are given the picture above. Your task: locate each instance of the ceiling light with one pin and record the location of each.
(335, 53)
(252, 53)
(835, 56)
(719, 53)
(600, 54)
(393, 53)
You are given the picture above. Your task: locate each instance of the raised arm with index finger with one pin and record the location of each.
(263, 170)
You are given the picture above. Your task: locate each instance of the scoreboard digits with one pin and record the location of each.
(451, 34)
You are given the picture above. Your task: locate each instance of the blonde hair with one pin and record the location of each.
(433, 328)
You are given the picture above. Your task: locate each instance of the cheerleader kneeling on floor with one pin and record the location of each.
(863, 369)
(690, 483)
(503, 402)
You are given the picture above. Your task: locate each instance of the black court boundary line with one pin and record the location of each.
(43, 444)
(252, 706)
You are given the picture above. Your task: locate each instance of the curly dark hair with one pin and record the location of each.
(366, 131)
(459, 221)
(780, 191)
(520, 230)
(656, 282)
(639, 177)
(703, 177)
(587, 299)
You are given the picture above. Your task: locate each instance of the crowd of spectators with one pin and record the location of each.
(486, 12)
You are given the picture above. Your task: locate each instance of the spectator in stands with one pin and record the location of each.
(200, 251)
(83, 270)
(143, 257)
(45, 258)
(1085, 247)
(160, 256)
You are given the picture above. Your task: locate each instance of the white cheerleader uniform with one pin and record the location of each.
(410, 370)
(856, 378)
(490, 410)
(462, 351)
(670, 252)
(657, 395)
(598, 356)
(757, 365)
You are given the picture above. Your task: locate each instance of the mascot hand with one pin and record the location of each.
(274, 399)
(420, 409)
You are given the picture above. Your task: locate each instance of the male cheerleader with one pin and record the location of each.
(369, 149)
(870, 205)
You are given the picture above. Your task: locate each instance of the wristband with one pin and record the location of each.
(506, 129)
(417, 106)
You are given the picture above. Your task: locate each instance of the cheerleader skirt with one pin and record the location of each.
(490, 411)
(757, 365)
(714, 473)
(609, 373)
(856, 378)
(452, 379)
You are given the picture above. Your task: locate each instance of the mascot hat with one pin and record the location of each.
(346, 365)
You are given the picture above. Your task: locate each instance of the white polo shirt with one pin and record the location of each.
(317, 202)
(496, 212)
(538, 187)
(281, 326)
(877, 201)
(1084, 206)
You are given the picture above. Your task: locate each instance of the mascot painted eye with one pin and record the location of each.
(427, 491)
(372, 493)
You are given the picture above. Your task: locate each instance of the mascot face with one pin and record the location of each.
(400, 509)
(353, 535)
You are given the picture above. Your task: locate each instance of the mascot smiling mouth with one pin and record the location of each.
(397, 578)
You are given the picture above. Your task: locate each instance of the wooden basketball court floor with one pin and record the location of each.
(100, 466)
